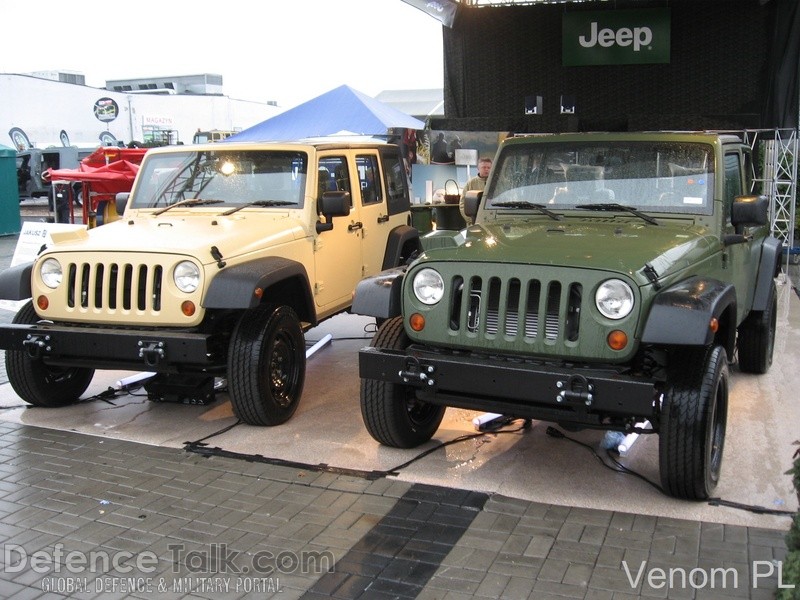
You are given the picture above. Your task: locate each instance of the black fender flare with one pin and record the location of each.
(235, 287)
(680, 315)
(15, 282)
(399, 237)
(379, 295)
(768, 269)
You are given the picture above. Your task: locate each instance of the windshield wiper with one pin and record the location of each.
(258, 203)
(540, 207)
(619, 207)
(187, 202)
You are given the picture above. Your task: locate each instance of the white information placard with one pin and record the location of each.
(32, 237)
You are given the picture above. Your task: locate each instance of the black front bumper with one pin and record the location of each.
(590, 397)
(111, 348)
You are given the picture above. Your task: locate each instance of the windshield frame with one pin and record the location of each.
(649, 176)
(232, 177)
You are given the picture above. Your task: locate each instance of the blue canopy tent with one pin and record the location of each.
(342, 111)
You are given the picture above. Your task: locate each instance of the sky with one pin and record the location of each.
(287, 51)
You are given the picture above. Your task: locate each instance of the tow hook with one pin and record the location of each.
(576, 389)
(151, 352)
(36, 345)
(415, 372)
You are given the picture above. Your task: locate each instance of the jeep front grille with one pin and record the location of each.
(115, 286)
(532, 309)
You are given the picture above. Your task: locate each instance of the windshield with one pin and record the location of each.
(232, 178)
(654, 177)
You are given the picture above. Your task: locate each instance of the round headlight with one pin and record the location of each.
(186, 276)
(614, 299)
(51, 273)
(428, 286)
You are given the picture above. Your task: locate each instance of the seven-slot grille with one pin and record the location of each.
(532, 308)
(115, 286)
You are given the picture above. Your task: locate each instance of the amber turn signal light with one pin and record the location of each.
(617, 340)
(713, 324)
(42, 302)
(187, 308)
(417, 322)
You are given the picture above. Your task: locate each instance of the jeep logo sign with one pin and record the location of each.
(640, 36)
(616, 37)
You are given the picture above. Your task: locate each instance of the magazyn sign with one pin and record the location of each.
(616, 37)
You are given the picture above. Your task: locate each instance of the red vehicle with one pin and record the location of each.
(95, 184)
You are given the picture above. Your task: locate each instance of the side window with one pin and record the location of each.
(396, 180)
(369, 179)
(52, 160)
(749, 175)
(733, 181)
(333, 175)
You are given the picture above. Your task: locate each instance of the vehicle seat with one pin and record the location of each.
(342, 179)
(324, 182)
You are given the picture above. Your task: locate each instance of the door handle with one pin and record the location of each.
(383, 218)
(354, 226)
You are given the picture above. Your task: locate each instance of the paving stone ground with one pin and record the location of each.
(92, 517)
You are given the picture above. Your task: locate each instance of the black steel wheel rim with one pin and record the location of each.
(283, 374)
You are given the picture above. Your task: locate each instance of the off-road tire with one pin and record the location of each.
(693, 420)
(266, 365)
(40, 384)
(391, 412)
(756, 337)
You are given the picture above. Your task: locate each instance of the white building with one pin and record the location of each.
(49, 112)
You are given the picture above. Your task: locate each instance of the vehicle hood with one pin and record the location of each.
(619, 245)
(233, 235)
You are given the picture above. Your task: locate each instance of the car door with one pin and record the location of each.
(373, 213)
(742, 259)
(384, 202)
(337, 252)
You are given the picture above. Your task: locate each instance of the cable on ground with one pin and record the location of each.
(618, 467)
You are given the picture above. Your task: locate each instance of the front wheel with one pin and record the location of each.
(693, 420)
(40, 384)
(266, 365)
(391, 412)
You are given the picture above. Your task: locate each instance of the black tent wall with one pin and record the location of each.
(783, 93)
(733, 65)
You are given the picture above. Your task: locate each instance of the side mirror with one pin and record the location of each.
(472, 201)
(333, 204)
(121, 201)
(748, 211)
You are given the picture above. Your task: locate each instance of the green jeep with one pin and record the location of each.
(608, 280)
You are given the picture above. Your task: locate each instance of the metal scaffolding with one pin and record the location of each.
(775, 153)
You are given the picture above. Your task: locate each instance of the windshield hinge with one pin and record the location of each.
(652, 276)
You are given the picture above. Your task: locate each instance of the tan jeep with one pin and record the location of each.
(225, 255)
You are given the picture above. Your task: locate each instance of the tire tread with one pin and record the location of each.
(380, 404)
(682, 439)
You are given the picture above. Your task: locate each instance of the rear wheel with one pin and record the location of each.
(40, 384)
(392, 413)
(693, 420)
(266, 365)
(756, 337)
